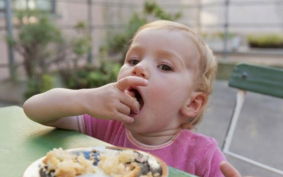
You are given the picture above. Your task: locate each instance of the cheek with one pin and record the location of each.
(172, 94)
(167, 94)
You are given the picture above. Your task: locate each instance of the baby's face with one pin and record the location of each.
(168, 60)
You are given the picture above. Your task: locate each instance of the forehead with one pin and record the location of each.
(176, 41)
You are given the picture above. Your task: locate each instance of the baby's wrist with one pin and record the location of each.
(79, 99)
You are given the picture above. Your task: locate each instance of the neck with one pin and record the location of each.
(156, 138)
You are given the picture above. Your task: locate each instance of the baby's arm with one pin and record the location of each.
(48, 107)
(53, 104)
(228, 170)
(59, 106)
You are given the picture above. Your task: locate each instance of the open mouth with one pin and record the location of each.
(137, 95)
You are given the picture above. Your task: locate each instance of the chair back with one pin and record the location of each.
(259, 79)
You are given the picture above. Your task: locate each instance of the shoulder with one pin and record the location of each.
(198, 146)
(207, 153)
(197, 139)
(199, 152)
(204, 145)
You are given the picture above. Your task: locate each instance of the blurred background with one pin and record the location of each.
(82, 43)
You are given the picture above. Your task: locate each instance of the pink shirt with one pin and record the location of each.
(187, 151)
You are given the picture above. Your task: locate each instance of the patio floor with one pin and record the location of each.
(258, 135)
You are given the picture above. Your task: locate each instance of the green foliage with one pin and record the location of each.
(81, 44)
(152, 8)
(34, 41)
(36, 34)
(118, 44)
(217, 35)
(73, 75)
(90, 77)
(266, 41)
(106, 73)
(38, 40)
(230, 35)
(36, 28)
(39, 84)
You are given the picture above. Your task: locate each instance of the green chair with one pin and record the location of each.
(251, 78)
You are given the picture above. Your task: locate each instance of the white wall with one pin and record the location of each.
(249, 14)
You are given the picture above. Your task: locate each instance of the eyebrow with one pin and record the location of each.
(135, 48)
(173, 55)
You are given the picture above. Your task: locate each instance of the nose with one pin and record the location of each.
(140, 71)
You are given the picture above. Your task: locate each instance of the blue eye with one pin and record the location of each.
(165, 67)
(133, 61)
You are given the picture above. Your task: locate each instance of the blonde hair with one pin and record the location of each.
(207, 64)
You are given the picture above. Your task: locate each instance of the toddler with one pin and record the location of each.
(158, 99)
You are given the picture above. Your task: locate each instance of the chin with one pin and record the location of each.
(134, 127)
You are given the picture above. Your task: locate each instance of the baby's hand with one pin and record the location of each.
(113, 101)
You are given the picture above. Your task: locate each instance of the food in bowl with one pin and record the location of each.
(100, 162)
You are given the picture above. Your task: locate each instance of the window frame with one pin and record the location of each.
(52, 9)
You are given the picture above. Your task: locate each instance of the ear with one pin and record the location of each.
(194, 104)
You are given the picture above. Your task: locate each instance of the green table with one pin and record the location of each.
(23, 141)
